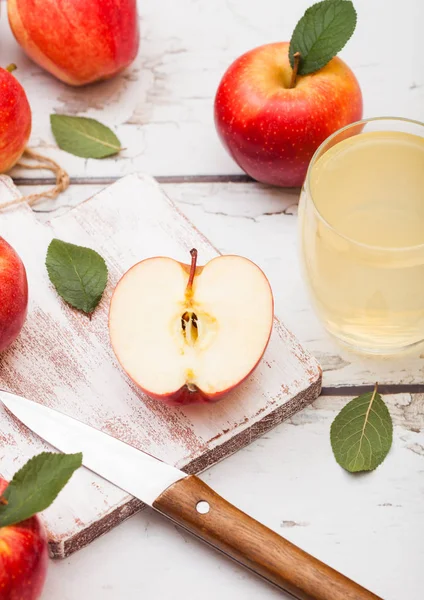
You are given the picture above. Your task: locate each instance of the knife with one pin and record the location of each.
(190, 503)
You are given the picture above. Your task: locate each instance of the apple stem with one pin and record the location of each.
(12, 67)
(193, 253)
(296, 57)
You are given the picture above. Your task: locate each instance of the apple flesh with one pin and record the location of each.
(13, 295)
(15, 121)
(78, 41)
(272, 130)
(188, 334)
(23, 558)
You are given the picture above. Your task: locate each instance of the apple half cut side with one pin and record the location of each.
(187, 334)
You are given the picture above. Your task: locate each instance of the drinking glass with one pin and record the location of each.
(361, 218)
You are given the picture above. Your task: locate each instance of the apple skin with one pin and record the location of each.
(103, 40)
(185, 397)
(15, 120)
(13, 295)
(23, 558)
(272, 131)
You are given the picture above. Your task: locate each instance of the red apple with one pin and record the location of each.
(78, 41)
(15, 120)
(13, 295)
(188, 334)
(23, 558)
(272, 130)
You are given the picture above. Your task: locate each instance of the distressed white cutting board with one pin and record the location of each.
(64, 360)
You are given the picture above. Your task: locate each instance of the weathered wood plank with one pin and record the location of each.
(64, 360)
(370, 526)
(260, 222)
(162, 107)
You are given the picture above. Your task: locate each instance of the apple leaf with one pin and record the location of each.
(35, 486)
(79, 274)
(321, 33)
(362, 433)
(84, 137)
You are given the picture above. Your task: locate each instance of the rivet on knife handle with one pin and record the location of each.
(200, 510)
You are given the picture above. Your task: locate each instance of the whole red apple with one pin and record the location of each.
(23, 558)
(13, 294)
(78, 41)
(15, 120)
(272, 130)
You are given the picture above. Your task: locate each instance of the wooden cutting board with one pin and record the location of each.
(64, 360)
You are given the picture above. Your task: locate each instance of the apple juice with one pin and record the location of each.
(362, 232)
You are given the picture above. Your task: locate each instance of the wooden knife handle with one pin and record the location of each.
(253, 545)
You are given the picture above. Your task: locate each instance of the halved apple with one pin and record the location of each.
(187, 334)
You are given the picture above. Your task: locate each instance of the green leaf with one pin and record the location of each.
(321, 33)
(362, 433)
(78, 274)
(36, 485)
(84, 137)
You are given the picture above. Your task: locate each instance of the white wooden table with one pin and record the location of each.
(370, 527)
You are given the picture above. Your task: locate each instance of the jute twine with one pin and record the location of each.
(46, 164)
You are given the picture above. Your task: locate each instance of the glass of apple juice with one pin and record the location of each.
(361, 218)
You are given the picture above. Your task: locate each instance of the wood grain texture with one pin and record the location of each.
(255, 546)
(369, 528)
(260, 222)
(161, 107)
(64, 360)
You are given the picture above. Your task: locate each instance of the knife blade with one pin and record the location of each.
(114, 460)
(190, 503)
